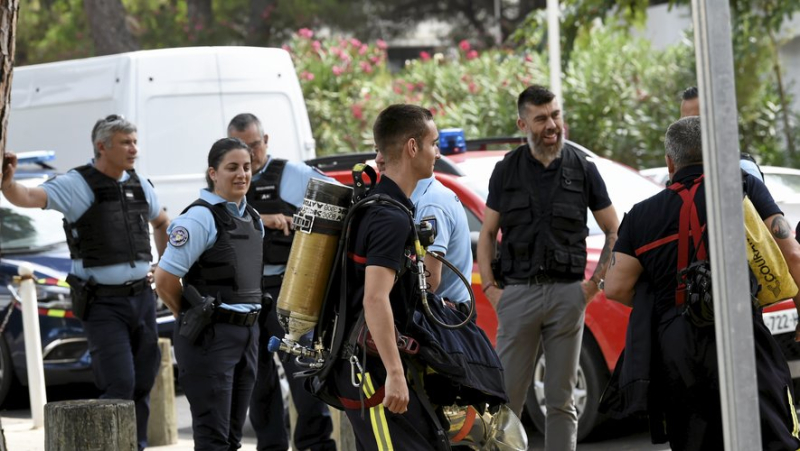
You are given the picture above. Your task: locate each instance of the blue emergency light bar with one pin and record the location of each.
(36, 156)
(451, 141)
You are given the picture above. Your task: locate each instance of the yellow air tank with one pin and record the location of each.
(317, 224)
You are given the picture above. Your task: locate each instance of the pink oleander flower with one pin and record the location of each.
(316, 45)
(363, 49)
(307, 75)
(424, 56)
(464, 45)
(357, 111)
(366, 67)
(473, 88)
(472, 54)
(337, 70)
(355, 42)
(305, 33)
(381, 44)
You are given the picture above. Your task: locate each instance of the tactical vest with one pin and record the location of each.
(231, 270)
(115, 227)
(541, 237)
(265, 196)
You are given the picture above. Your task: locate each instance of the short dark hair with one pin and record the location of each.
(690, 93)
(218, 152)
(534, 95)
(397, 124)
(242, 121)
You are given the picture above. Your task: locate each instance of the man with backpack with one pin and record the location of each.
(662, 238)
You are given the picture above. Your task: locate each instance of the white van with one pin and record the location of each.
(180, 99)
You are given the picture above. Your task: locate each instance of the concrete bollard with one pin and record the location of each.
(162, 426)
(107, 424)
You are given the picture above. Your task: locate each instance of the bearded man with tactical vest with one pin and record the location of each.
(276, 192)
(538, 198)
(106, 208)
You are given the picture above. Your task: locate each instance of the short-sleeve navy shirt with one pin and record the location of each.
(545, 179)
(657, 217)
(381, 234)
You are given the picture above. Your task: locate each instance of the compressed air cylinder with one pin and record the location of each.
(317, 224)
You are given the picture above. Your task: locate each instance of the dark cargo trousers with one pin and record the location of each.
(217, 374)
(314, 425)
(123, 341)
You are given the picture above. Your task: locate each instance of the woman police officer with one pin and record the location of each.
(215, 248)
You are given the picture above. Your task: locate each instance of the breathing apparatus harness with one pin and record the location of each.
(330, 342)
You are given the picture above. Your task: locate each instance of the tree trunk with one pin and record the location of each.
(258, 25)
(200, 15)
(9, 10)
(108, 26)
(107, 424)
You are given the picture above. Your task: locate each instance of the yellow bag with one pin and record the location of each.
(765, 259)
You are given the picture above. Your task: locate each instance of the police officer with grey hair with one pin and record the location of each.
(106, 208)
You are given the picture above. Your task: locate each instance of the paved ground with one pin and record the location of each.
(17, 426)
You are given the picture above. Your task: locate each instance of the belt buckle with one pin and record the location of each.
(540, 279)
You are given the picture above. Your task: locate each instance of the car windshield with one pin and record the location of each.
(26, 229)
(625, 186)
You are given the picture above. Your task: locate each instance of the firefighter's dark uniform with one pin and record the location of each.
(314, 425)
(217, 372)
(685, 383)
(380, 238)
(109, 243)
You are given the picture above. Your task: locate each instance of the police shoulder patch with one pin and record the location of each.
(179, 236)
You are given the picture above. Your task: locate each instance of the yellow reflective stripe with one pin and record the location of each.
(476, 278)
(57, 313)
(380, 427)
(795, 424)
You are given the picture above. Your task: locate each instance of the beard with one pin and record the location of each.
(536, 143)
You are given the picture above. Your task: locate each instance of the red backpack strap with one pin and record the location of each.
(688, 226)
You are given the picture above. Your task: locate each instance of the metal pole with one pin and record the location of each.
(33, 344)
(732, 312)
(499, 31)
(554, 48)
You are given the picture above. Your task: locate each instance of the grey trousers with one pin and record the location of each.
(552, 315)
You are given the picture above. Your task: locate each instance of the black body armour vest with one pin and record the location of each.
(538, 237)
(265, 196)
(114, 229)
(231, 270)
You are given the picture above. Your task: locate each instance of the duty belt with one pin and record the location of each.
(538, 279)
(126, 289)
(236, 318)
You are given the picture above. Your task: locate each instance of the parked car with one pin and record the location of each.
(36, 237)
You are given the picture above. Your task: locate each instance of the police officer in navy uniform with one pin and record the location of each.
(106, 208)
(214, 248)
(538, 196)
(684, 389)
(277, 190)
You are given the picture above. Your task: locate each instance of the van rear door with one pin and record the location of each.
(179, 115)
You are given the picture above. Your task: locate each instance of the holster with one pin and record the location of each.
(198, 316)
(82, 295)
(497, 272)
